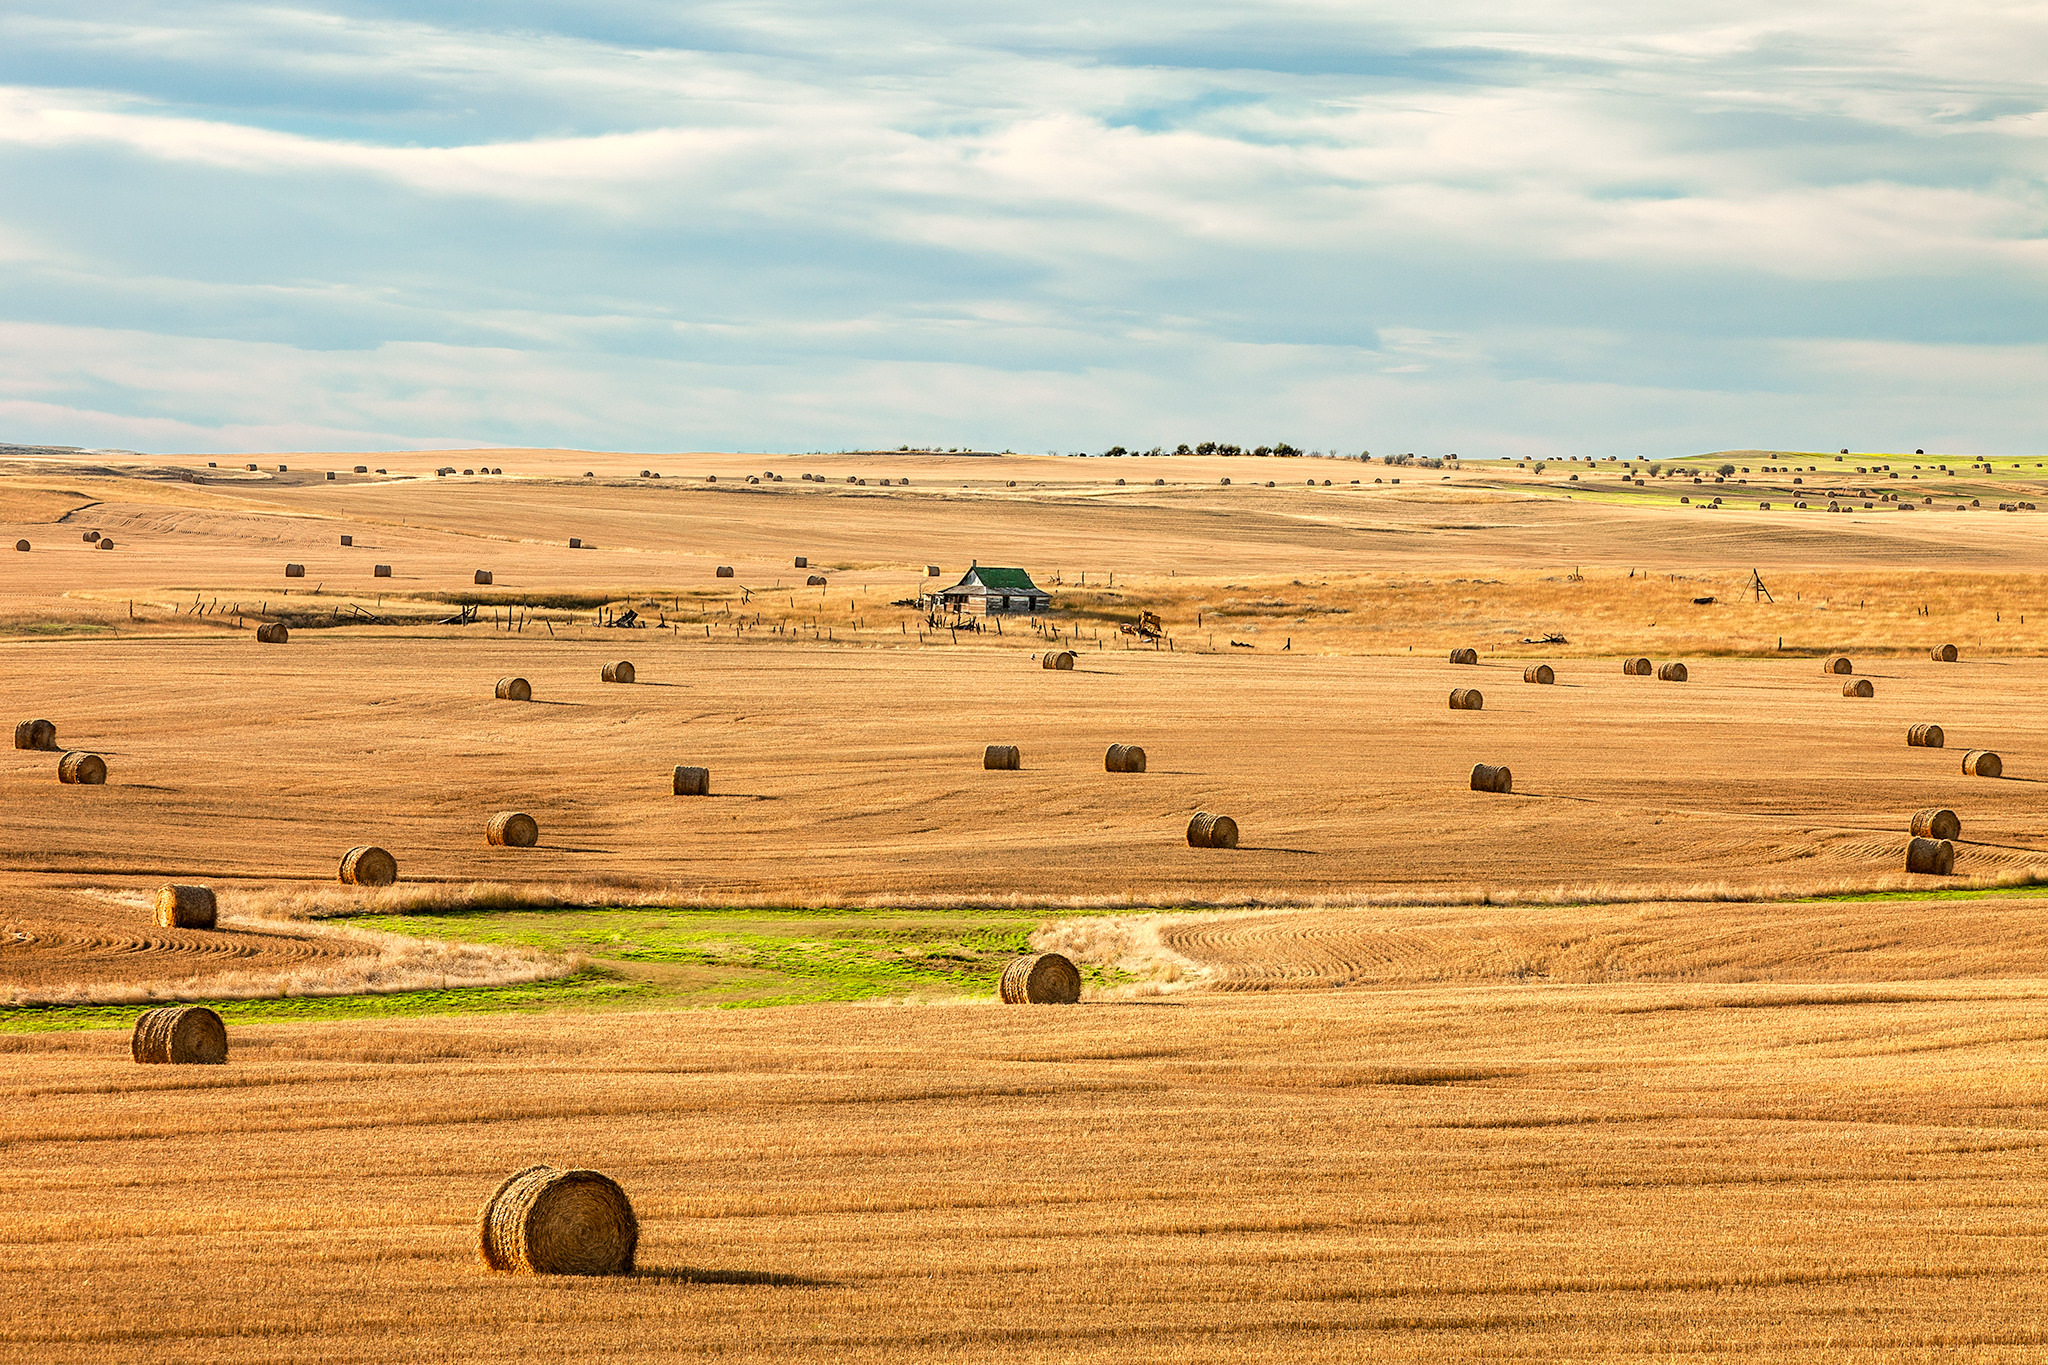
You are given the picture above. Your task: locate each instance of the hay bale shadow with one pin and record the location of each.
(686, 1274)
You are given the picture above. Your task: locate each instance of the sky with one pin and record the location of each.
(1527, 230)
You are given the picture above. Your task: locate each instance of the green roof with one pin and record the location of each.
(1004, 580)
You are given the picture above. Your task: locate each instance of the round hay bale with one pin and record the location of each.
(723, 571)
(542, 1221)
(693, 782)
(1672, 672)
(802, 562)
(272, 633)
(1124, 758)
(1212, 831)
(1041, 979)
(1464, 656)
(1001, 758)
(620, 672)
(1943, 654)
(514, 689)
(1538, 673)
(931, 571)
(1488, 778)
(816, 580)
(1859, 688)
(91, 536)
(1467, 699)
(380, 571)
(1982, 763)
(575, 542)
(82, 769)
(348, 540)
(105, 543)
(186, 907)
(512, 829)
(1637, 668)
(1837, 664)
(294, 571)
(368, 865)
(181, 1035)
(1925, 737)
(1062, 659)
(35, 734)
(483, 578)
(21, 545)
(1931, 857)
(1936, 822)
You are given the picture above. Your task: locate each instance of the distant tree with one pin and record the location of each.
(1182, 449)
(1282, 448)
(1725, 470)
(1206, 448)
(1114, 451)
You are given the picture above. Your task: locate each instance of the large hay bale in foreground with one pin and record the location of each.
(1539, 673)
(512, 829)
(1925, 737)
(1212, 831)
(693, 781)
(620, 672)
(368, 865)
(180, 1035)
(1672, 672)
(1464, 656)
(1487, 777)
(1859, 688)
(543, 1221)
(272, 633)
(1467, 699)
(1835, 663)
(82, 769)
(1637, 668)
(1124, 758)
(35, 734)
(1041, 979)
(483, 578)
(1937, 822)
(294, 571)
(1943, 654)
(514, 689)
(1933, 857)
(1057, 658)
(186, 907)
(1982, 763)
(1001, 758)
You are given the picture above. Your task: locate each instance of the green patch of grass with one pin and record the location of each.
(2031, 890)
(55, 628)
(585, 988)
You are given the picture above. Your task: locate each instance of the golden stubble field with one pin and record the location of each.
(1604, 1116)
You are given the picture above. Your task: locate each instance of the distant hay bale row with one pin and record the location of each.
(272, 633)
(1467, 699)
(1671, 672)
(1464, 656)
(368, 865)
(1932, 857)
(514, 689)
(1488, 778)
(620, 672)
(1925, 737)
(543, 1221)
(1001, 758)
(1539, 673)
(82, 770)
(1936, 822)
(1057, 658)
(294, 571)
(1637, 668)
(186, 907)
(1212, 831)
(1859, 688)
(1982, 763)
(1124, 758)
(1040, 979)
(483, 578)
(815, 581)
(1943, 654)
(180, 1035)
(693, 782)
(512, 829)
(35, 734)
(1837, 664)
